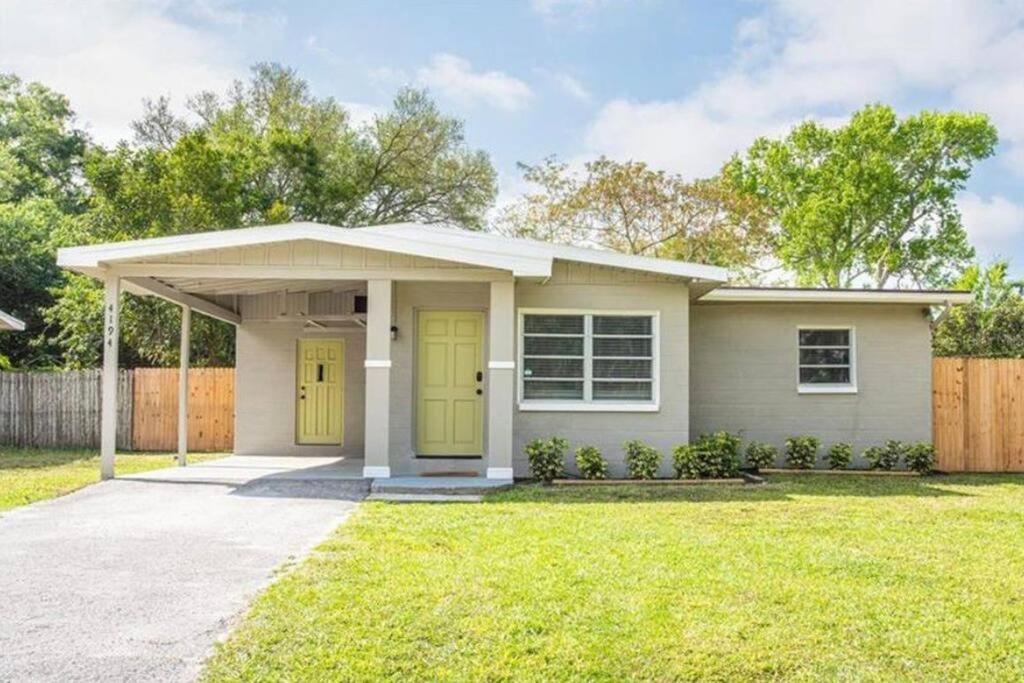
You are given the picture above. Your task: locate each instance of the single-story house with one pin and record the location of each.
(9, 322)
(427, 348)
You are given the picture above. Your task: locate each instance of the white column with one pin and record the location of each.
(108, 420)
(186, 333)
(377, 463)
(501, 380)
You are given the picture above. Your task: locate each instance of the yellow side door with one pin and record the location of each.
(320, 391)
(449, 404)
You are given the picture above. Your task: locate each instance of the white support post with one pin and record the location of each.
(377, 462)
(501, 380)
(108, 420)
(186, 334)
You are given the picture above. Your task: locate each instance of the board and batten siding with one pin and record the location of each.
(582, 286)
(744, 374)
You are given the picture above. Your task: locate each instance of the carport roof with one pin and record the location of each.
(521, 257)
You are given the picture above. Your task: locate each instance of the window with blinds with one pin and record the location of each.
(588, 358)
(826, 358)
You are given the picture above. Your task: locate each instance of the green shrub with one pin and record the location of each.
(761, 455)
(840, 455)
(590, 463)
(642, 461)
(547, 457)
(712, 456)
(802, 451)
(920, 457)
(885, 457)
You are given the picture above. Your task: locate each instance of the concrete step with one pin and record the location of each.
(426, 497)
(452, 486)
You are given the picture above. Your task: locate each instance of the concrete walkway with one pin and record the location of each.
(136, 578)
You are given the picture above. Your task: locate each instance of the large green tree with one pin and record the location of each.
(41, 154)
(629, 207)
(267, 151)
(872, 201)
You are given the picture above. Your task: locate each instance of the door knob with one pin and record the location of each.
(479, 392)
(479, 376)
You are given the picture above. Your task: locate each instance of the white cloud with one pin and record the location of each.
(107, 57)
(572, 87)
(454, 77)
(804, 58)
(995, 226)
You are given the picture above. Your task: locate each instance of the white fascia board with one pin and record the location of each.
(95, 256)
(781, 295)
(9, 322)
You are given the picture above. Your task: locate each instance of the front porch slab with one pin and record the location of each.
(439, 485)
(243, 469)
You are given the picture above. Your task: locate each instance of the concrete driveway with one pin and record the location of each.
(135, 579)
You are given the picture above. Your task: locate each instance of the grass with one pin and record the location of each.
(804, 578)
(28, 475)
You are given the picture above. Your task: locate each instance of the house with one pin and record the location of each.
(426, 348)
(9, 322)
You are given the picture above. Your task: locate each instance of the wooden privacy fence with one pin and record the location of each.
(211, 409)
(59, 409)
(978, 414)
(62, 409)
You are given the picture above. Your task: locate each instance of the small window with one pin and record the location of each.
(826, 360)
(588, 358)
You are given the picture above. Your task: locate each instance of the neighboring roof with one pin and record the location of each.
(523, 257)
(936, 297)
(9, 322)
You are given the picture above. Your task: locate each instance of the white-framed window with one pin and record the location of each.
(588, 360)
(827, 360)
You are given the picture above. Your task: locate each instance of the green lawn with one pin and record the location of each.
(806, 578)
(31, 474)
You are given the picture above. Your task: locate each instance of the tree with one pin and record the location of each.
(628, 207)
(871, 201)
(990, 326)
(267, 151)
(40, 188)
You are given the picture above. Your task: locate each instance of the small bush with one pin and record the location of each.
(802, 451)
(761, 455)
(840, 455)
(642, 461)
(712, 456)
(590, 463)
(920, 457)
(885, 457)
(547, 458)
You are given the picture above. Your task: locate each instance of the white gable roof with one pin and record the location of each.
(9, 322)
(522, 257)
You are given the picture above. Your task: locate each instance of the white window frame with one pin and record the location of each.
(587, 404)
(819, 388)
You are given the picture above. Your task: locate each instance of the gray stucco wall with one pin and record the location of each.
(608, 430)
(744, 374)
(265, 389)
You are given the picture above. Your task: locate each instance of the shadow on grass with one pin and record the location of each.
(35, 458)
(775, 488)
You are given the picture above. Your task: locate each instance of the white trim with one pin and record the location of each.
(783, 295)
(851, 388)
(501, 365)
(588, 404)
(581, 407)
(499, 472)
(376, 472)
(9, 322)
(376, 363)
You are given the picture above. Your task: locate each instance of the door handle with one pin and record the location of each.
(479, 376)
(302, 393)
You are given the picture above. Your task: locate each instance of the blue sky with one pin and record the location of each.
(679, 85)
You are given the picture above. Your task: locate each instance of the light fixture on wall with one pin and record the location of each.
(394, 333)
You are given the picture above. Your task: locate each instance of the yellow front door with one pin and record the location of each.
(449, 403)
(320, 391)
